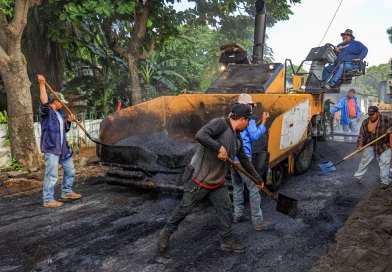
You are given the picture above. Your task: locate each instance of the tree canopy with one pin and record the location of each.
(369, 82)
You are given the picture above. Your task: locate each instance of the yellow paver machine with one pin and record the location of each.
(153, 141)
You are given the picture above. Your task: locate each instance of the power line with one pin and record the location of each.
(330, 22)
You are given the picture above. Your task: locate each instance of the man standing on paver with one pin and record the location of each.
(251, 133)
(54, 126)
(205, 176)
(372, 128)
(350, 112)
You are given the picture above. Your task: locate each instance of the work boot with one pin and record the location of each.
(228, 244)
(240, 218)
(72, 195)
(163, 241)
(53, 204)
(356, 180)
(265, 225)
(384, 186)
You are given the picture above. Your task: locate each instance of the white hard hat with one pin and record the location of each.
(245, 98)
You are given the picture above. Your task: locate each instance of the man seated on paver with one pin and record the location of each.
(205, 176)
(351, 51)
(251, 133)
(373, 127)
(54, 127)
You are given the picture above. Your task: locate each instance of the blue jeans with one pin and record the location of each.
(52, 162)
(338, 72)
(238, 180)
(383, 162)
(353, 126)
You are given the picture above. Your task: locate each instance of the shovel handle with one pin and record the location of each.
(68, 110)
(363, 147)
(239, 168)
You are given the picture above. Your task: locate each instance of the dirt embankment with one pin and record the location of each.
(365, 242)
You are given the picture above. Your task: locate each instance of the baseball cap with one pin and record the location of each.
(61, 96)
(372, 110)
(243, 110)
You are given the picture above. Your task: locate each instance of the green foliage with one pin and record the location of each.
(4, 121)
(3, 117)
(369, 82)
(100, 71)
(82, 10)
(160, 73)
(7, 7)
(77, 27)
(14, 166)
(289, 71)
(389, 32)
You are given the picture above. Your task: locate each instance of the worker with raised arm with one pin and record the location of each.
(251, 133)
(54, 127)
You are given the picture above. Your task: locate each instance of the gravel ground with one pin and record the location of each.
(115, 228)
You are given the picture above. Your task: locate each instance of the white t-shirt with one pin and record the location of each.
(61, 121)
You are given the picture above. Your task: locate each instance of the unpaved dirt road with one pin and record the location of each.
(115, 228)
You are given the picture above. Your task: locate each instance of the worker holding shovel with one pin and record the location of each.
(54, 126)
(375, 126)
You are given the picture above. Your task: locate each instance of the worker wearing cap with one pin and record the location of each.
(251, 133)
(205, 176)
(373, 127)
(54, 127)
(351, 51)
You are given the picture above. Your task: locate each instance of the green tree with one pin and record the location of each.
(99, 69)
(132, 26)
(289, 71)
(13, 70)
(369, 82)
(158, 74)
(389, 32)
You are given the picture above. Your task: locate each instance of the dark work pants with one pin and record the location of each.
(193, 193)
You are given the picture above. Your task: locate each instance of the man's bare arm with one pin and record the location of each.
(43, 96)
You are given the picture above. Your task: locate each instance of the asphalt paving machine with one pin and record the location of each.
(152, 142)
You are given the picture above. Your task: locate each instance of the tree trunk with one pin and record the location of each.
(20, 115)
(135, 85)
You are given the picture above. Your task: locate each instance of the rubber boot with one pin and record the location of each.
(228, 244)
(163, 241)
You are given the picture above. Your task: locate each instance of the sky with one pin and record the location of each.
(293, 39)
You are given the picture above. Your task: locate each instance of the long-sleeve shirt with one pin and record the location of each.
(343, 107)
(209, 170)
(351, 50)
(251, 133)
(52, 135)
(365, 137)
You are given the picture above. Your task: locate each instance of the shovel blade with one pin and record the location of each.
(287, 205)
(327, 167)
(97, 141)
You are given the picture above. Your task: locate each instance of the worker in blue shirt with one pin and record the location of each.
(350, 50)
(54, 127)
(251, 133)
